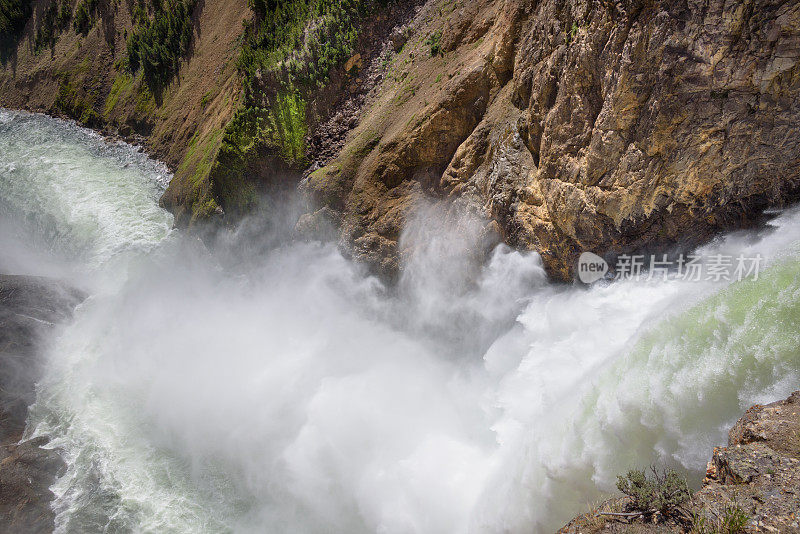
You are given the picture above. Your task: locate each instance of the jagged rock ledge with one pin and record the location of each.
(758, 472)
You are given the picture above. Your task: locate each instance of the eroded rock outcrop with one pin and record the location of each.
(603, 126)
(759, 470)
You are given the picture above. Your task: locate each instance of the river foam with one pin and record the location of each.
(263, 384)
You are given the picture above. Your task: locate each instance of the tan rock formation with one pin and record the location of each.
(602, 126)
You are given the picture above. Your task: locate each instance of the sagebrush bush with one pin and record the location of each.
(663, 491)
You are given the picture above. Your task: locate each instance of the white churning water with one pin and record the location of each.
(266, 385)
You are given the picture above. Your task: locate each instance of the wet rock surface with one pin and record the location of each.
(29, 308)
(26, 473)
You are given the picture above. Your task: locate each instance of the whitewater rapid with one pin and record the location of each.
(255, 383)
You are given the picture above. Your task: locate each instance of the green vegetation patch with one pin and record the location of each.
(195, 168)
(54, 20)
(289, 51)
(302, 40)
(123, 85)
(253, 132)
(73, 105)
(85, 16)
(243, 137)
(206, 99)
(14, 14)
(732, 520)
(145, 101)
(434, 42)
(160, 43)
(570, 32)
(662, 491)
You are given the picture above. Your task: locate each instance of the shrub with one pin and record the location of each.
(205, 100)
(732, 521)
(663, 491)
(434, 41)
(570, 32)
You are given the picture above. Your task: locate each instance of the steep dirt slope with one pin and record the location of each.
(578, 125)
(83, 77)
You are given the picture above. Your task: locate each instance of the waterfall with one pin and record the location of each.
(256, 383)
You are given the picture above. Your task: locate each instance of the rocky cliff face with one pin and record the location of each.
(570, 126)
(603, 126)
(759, 469)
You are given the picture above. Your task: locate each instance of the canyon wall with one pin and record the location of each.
(604, 126)
(608, 126)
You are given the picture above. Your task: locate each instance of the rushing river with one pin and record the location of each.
(264, 385)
